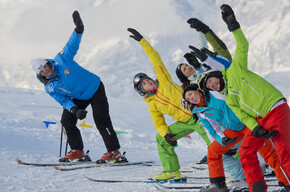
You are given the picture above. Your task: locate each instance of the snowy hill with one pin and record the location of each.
(31, 28)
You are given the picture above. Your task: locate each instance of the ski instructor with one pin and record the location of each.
(74, 88)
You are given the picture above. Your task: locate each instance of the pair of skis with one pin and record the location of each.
(63, 166)
(69, 166)
(182, 181)
(174, 185)
(161, 185)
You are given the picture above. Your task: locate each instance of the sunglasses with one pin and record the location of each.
(42, 68)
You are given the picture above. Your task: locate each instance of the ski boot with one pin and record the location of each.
(215, 187)
(86, 158)
(73, 155)
(285, 189)
(169, 175)
(202, 161)
(113, 157)
(238, 186)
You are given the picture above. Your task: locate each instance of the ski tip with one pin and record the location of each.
(19, 161)
(57, 168)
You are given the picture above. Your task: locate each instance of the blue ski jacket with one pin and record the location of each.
(216, 116)
(70, 80)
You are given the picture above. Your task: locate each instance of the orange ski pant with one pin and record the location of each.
(215, 152)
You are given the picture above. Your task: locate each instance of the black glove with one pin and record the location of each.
(192, 60)
(78, 22)
(206, 67)
(198, 53)
(184, 104)
(228, 16)
(231, 152)
(170, 140)
(227, 140)
(260, 132)
(136, 35)
(198, 25)
(208, 52)
(79, 113)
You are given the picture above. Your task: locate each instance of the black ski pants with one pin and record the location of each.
(100, 108)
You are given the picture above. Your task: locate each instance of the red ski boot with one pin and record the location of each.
(75, 154)
(114, 156)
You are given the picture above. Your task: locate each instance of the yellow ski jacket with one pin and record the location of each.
(167, 98)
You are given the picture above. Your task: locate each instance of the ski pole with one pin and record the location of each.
(60, 147)
(66, 147)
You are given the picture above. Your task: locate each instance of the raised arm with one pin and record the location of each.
(241, 55)
(217, 44)
(208, 60)
(154, 57)
(72, 46)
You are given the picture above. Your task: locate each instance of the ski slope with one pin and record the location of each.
(31, 28)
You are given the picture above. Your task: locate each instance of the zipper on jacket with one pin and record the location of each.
(245, 103)
(250, 86)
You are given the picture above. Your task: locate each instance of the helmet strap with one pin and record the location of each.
(222, 84)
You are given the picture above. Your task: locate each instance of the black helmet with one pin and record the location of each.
(202, 78)
(137, 80)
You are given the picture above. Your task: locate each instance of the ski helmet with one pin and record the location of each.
(137, 80)
(202, 78)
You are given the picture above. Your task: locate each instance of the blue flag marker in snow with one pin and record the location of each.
(48, 122)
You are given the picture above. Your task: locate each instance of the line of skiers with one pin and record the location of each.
(241, 111)
(235, 105)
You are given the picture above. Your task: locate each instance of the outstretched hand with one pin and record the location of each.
(78, 22)
(228, 16)
(208, 52)
(190, 58)
(198, 53)
(136, 35)
(198, 25)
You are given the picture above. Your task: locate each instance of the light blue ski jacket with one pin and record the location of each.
(216, 116)
(70, 80)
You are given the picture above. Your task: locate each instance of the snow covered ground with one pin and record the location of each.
(25, 136)
(31, 28)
